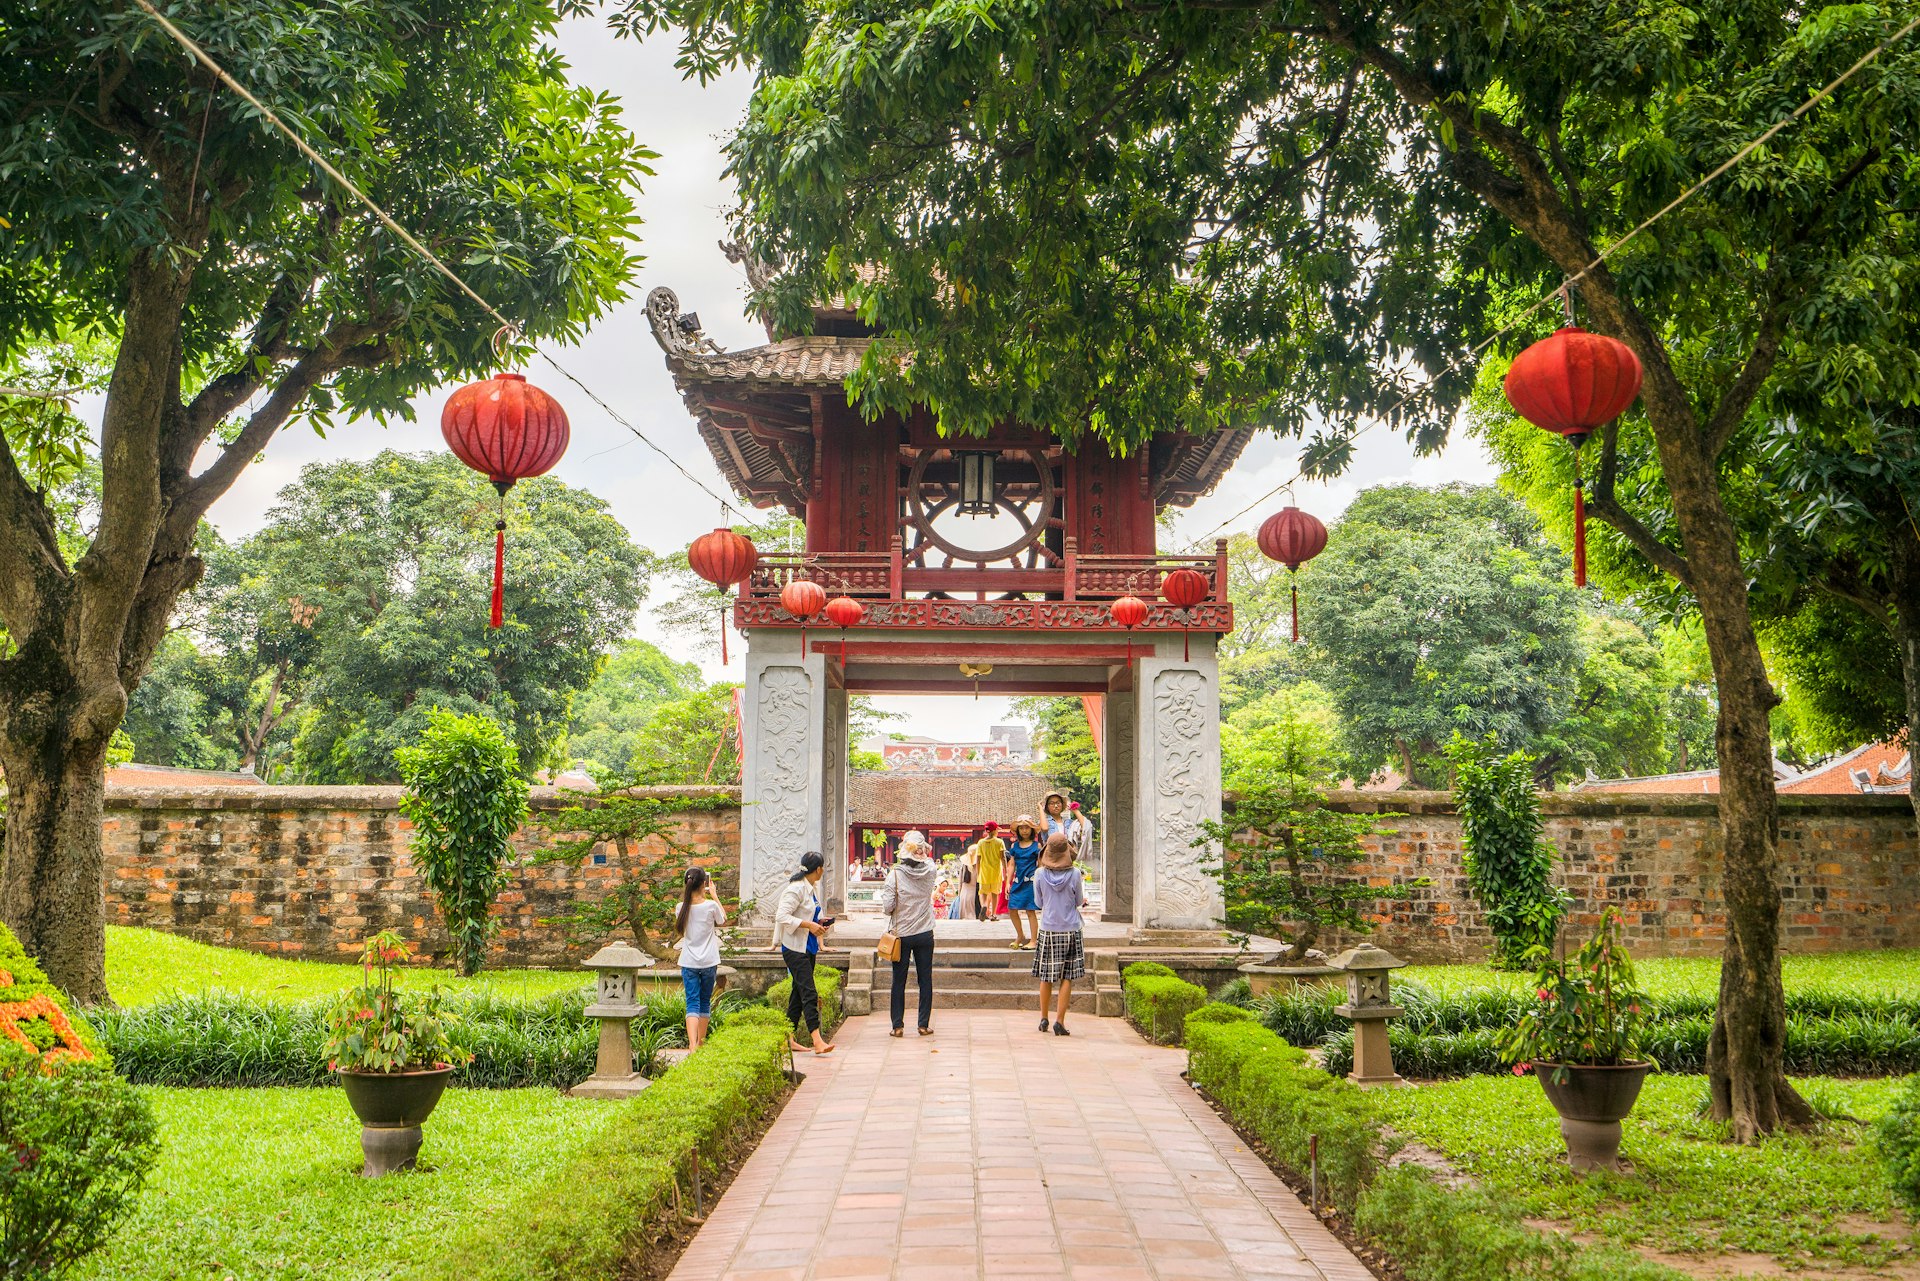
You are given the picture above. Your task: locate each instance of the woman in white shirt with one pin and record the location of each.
(798, 929)
(698, 925)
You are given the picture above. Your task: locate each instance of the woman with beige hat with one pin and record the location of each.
(907, 899)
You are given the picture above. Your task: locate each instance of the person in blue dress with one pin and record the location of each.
(1023, 856)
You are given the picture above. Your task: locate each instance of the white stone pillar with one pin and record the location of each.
(833, 801)
(1117, 788)
(1176, 783)
(782, 764)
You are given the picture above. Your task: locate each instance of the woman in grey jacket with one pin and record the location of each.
(907, 899)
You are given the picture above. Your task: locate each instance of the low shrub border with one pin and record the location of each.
(621, 1192)
(828, 983)
(229, 1040)
(1159, 1004)
(1457, 1034)
(1430, 1231)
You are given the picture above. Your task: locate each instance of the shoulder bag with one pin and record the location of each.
(888, 946)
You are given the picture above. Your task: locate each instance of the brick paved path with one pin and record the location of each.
(990, 1150)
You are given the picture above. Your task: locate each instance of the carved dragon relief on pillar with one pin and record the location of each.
(833, 785)
(1183, 716)
(780, 756)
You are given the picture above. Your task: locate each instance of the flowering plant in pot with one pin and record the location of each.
(1583, 1040)
(393, 1053)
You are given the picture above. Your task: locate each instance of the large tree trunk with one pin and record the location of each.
(1746, 1051)
(52, 892)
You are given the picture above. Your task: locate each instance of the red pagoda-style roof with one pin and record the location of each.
(757, 408)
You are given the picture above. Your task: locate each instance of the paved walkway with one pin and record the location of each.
(990, 1150)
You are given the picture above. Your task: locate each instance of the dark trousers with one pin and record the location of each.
(917, 948)
(803, 1003)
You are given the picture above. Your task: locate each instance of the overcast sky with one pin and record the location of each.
(682, 206)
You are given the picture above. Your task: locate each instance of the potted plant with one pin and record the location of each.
(393, 1055)
(1582, 1039)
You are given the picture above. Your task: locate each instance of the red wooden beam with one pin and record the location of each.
(1102, 652)
(961, 685)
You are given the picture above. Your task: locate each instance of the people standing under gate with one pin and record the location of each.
(968, 903)
(1023, 861)
(907, 899)
(798, 927)
(1060, 957)
(697, 924)
(990, 856)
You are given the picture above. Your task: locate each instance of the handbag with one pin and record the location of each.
(888, 947)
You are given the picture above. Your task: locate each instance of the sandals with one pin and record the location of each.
(898, 1032)
(926, 1031)
(825, 1050)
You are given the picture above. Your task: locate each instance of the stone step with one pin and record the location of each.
(1081, 1002)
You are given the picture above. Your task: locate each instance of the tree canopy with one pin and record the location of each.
(148, 207)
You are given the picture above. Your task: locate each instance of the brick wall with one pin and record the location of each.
(1849, 872)
(311, 871)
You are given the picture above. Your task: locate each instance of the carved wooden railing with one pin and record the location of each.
(883, 576)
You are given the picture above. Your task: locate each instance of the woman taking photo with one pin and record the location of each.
(698, 925)
(798, 928)
(907, 899)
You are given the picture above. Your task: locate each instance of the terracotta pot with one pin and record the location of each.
(1592, 1100)
(391, 1107)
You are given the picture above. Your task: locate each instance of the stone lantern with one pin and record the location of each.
(615, 1005)
(1368, 969)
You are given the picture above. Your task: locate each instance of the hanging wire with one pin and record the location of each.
(507, 327)
(1565, 288)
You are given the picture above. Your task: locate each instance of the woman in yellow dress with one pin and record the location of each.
(990, 860)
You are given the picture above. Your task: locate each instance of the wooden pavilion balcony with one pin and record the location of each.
(1072, 593)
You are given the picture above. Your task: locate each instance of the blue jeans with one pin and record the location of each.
(699, 985)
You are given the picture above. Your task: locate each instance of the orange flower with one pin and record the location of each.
(42, 1007)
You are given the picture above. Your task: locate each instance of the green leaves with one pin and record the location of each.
(466, 799)
(1508, 865)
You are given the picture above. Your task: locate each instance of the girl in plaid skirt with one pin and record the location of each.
(1061, 955)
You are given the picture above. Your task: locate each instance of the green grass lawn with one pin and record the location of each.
(1805, 1200)
(265, 1184)
(145, 965)
(1891, 973)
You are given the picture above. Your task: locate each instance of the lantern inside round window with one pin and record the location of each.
(508, 430)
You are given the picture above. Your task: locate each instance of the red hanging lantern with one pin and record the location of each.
(844, 612)
(510, 430)
(1293, 538)
(1183, 589)
(1573, 383)
(803, 599)
(724, 559)
(1129, 612)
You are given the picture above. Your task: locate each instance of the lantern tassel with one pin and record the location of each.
(1186, 645)
(499, 616)
(1579, 535)
(723, 634)
(1296, 613)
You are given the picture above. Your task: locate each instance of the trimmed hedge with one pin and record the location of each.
(1828, 1034)
(1159, 1004)
(827, 982)
(224, 1039)
(1145, 969)
(1432, 1232)
(587, 1221)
